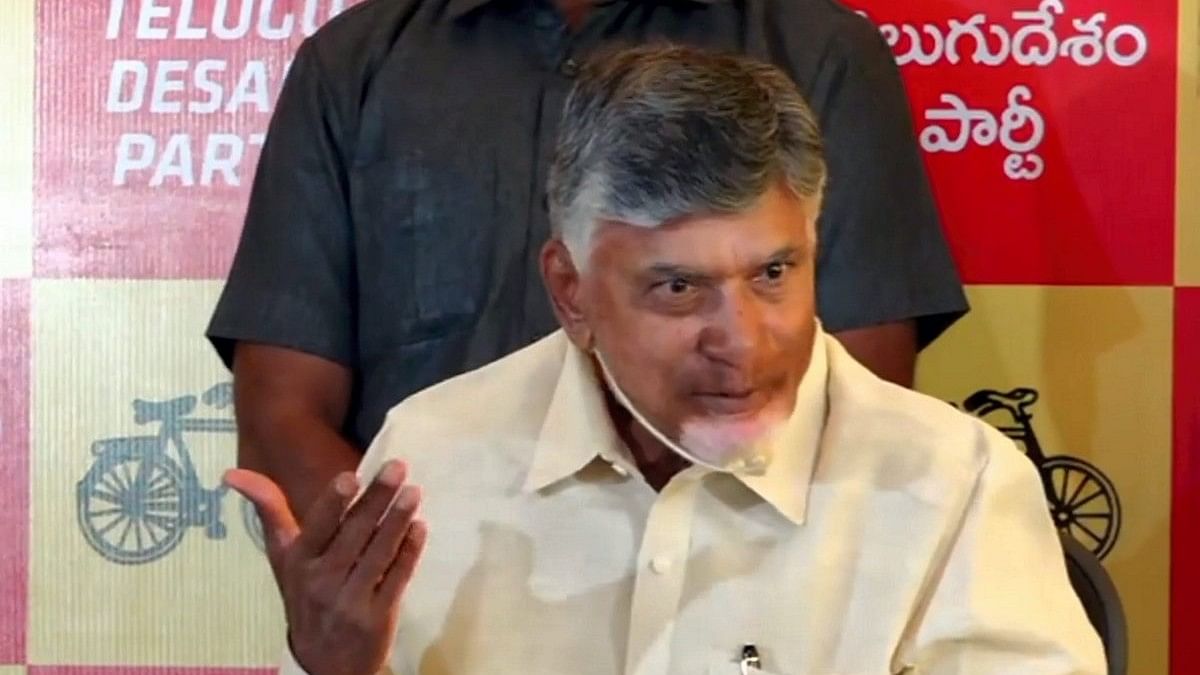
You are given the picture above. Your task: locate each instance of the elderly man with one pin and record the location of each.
(690, 477)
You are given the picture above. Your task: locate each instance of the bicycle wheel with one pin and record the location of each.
(129, 518)
(1083, 502)
(253, 524)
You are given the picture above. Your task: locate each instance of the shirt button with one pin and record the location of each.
(620, 470)
(569, 67)
(661, 564)
(756, 463)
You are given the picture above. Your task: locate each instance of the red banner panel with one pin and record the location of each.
(150, 116)
(1048, 131)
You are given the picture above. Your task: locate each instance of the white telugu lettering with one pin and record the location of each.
(982, 128)
(1033, 43)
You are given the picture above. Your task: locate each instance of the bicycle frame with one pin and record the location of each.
(171, 432)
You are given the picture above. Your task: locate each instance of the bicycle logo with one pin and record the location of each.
(1083, 501)
(137, 501)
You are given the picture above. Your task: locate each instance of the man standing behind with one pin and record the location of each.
(691, 477)
(393, 230)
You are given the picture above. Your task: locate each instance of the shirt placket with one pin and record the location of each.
(661, 571)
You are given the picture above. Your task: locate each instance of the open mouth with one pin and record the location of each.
(731, 402)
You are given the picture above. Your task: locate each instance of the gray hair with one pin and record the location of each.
(654, 133)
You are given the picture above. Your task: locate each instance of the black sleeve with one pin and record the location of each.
(883, 256)
(292, 280)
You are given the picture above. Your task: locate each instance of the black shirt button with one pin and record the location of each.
(569, 68)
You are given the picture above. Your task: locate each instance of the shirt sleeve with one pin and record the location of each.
(1002, 603)
(291, 283)
(882, 254)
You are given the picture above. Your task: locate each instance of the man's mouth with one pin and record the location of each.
(731, 402)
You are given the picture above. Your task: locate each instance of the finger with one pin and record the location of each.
(325, 515)
(381, 551)
(364, 516)
(404, 565)
(279, 523)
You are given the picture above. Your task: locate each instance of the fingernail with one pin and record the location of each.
(345, 484)
(409, 495)
(392, 473)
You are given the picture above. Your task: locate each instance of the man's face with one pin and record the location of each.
(705, 323)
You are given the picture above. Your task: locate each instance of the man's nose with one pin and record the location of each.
(735, 329)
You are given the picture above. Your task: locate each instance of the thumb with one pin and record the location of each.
(279, 523)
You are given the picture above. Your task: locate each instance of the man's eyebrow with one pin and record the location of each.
(666, 269)
(785, 253)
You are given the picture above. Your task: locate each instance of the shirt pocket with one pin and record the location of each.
(425, 233)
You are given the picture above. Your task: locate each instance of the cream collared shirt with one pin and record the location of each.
(894, 535)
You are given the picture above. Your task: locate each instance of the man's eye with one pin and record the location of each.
(775, 271)
(679, 286)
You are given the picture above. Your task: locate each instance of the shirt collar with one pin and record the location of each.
(577, 430)
(460, 8)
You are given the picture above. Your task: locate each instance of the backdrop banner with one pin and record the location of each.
(1062, 138)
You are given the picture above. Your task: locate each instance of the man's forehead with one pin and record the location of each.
(706, 240)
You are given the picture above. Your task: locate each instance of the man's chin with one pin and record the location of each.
(719, 438)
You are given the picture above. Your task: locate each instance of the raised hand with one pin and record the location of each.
(343, 574)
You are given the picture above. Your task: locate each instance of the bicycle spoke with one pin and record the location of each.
(155, 540)
(165, 522)
(116, 486)
(1091, 534)
(127, 474)
(167, 489)
(160, 479)
(104, 512)
(1062, 493)
(114, 523)
(125, 532)
(104, 497)
(1078, 489)
(137, 532)
(1075, 505)
(161, 524)
(1105, 516)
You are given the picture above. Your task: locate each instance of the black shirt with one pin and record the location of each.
(397, 213)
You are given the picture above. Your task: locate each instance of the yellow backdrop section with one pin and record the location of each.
(16, 138)
(1187, 180)
(1100, 361)
(206, 599)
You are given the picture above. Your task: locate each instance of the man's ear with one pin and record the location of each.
(564, 283)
